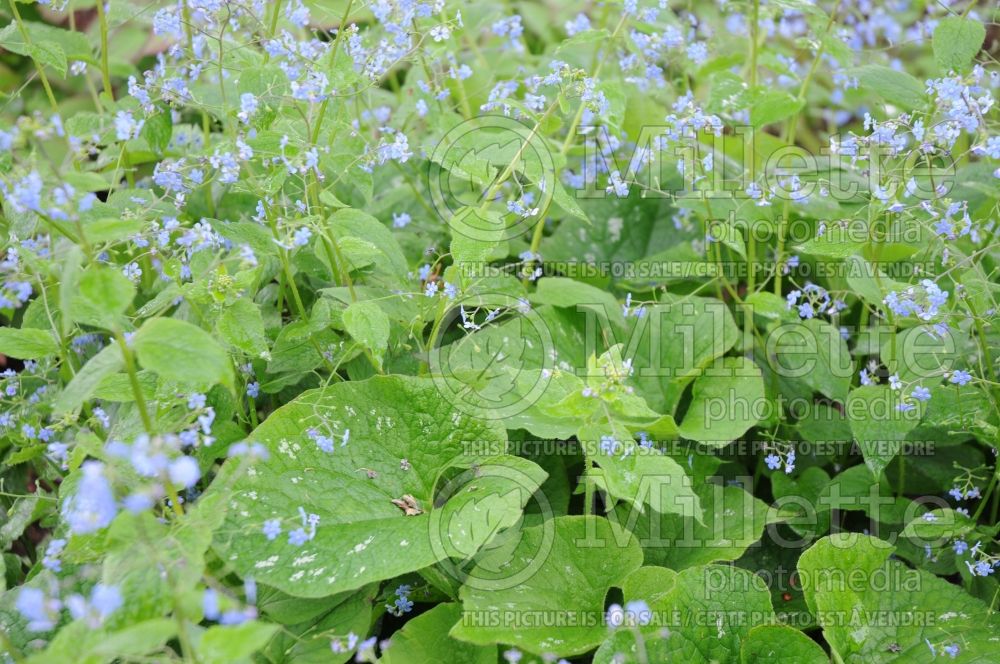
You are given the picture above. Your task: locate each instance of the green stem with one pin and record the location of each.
(133, 378)
(754, 28)
(788, 138)
(588, 485)
(536, 235)
(38, 66)
(105, 68)
(333, 61)
(571, 134)
(984, 348)
(272, 26)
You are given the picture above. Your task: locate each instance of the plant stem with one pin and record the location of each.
(133, 377)
(38, 66)
(588, 485)
(105, 68)
(333, 61)
(789, 139)
(754, 28)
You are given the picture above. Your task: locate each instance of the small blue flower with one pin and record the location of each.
(93, 505)
(52, 551)
(272, 528)
(184, 471)
(41, 612)
(960, 377)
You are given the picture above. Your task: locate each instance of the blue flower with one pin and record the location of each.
(960, 377)
(184, 471)
(52, 551)
(272, 528)
(41, 612)
(104, 600)
(92, 507)
(210, 604)
(298, 537)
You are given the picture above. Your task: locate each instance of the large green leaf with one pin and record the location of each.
(870, 605)
(106, 363)
(896, 87)
(956, 42)
(182, 353)
(814, 352)
(675, 342)
(403, 440)
(733, 521)
(725, 403)
(100, 297)
(27, 344)
(780, 644)
(425, 640)
(703, 616)
(571, 562)
(241, 325)
(369, 326)
(878, 426)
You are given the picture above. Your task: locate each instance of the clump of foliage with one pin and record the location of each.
(417, 331)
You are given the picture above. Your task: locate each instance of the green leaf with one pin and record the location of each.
(780, 644)
(241, 325)
(118, 387)
(27, 344)
(571, 562)
(639, 475)
(725, 403)
(368, 325)
(50, 54)
(182, 353)
(73, 45)
(20, 515)
(956, 42)
(896, 87)
(157, 130)
(225, 644)
(425, 640)
(688, 334)
(136, 640)
(773, 106)
(309, 624)
(877, 425)
(704, 614)
(107, 362)
(562, 292)
(867, 602)
(86, 181)
(815, 353)
(363, 535)
(100, 297)
(733, 521)
(767, 305)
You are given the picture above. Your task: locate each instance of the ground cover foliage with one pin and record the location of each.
(417, 331)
